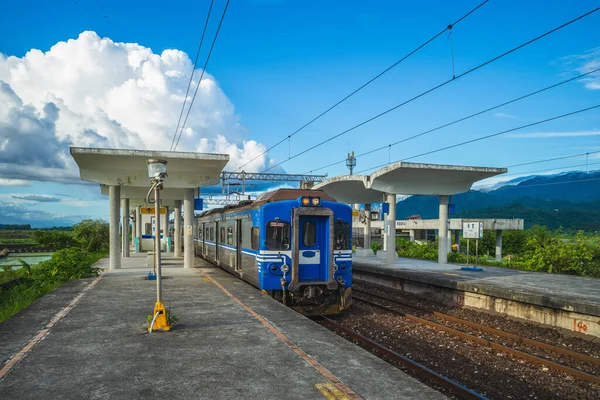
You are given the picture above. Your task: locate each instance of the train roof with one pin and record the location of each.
(269, 197)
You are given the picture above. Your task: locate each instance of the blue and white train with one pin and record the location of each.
(294, 244)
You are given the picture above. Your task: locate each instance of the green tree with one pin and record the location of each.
(55, 239)
(92, 234)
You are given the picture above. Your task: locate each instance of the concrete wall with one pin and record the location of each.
(567, 320)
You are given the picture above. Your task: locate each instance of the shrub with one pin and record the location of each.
(92, 235)
(375, 246)
(54, 239)
(425, 251)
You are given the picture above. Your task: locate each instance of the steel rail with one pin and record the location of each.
(417, 369)
(584, 376)
(499, 332)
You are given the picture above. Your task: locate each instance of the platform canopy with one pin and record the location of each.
(128, 167)
(407, 179)
(350, 189)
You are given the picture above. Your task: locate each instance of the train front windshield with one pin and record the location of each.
(278, 235)
(341, 235)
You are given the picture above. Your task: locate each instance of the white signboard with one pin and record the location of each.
(473, 230)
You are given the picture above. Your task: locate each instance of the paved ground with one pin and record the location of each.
(550, 290)
(100, 350)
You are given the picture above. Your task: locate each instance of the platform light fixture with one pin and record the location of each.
(157, 172)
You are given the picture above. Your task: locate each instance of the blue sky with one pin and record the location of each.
(280, 63)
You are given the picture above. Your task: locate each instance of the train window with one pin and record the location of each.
(222, 237)
(230, 235)
(200, 233)
(212, 234)
(278, 235)
(341, 235)
(207, 237)
(309, 237)
(255, 237)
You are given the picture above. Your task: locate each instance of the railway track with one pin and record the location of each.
(582, 375)
(415, 368)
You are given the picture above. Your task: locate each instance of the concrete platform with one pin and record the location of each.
(568, 302)
(234, 344)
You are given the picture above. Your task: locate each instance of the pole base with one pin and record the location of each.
(160, 322)
(473, 269)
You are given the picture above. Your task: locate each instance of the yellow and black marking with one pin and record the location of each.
(331, 392)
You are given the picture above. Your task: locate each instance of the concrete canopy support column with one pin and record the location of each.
(125, 230)
(457, 236)
(114, 195)
(177, 231)
(443, 231)
(498, 244)
(367, 231)
(188, 230)
(391, 230)
(166, 231)
(133, 233)
(138, 222)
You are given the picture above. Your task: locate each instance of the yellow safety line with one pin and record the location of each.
(334, 381)
(331, 392)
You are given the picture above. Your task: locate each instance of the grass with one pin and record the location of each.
(43, 278)
(21, 296)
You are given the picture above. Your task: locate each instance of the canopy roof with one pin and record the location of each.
(128, 167)
(408, 179)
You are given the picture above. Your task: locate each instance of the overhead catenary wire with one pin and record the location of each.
(212, 46)
(192, 74)
(548, 169)
(461, 119)
(490, 136)
(553, 159)
(364, 85)
(436, 87)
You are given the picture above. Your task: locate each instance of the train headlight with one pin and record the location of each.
(308, 201)
(285, 269)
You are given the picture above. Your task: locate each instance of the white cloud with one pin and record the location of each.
(504, 115)
(94, 92)
(14, 182)
(583, 63)
(541, 135)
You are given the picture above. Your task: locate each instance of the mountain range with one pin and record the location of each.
(568, 200)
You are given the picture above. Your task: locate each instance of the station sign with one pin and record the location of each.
(473, 230)
(150, 210)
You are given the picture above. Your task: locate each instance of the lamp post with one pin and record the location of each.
(157, 172)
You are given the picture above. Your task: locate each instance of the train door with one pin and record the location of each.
(203, 243)
(217, 242)
(238, 242)
(313, 248)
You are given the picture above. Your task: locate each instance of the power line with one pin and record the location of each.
(202, 74)
(552, 159)
(489, 136)
(435, 88)
(192, 74)
(449, 27)
(388, 146)
(549, 169)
